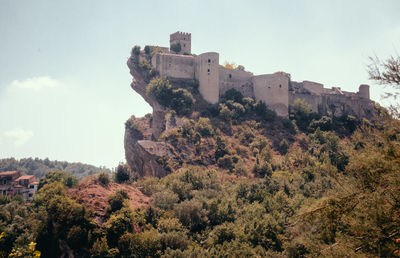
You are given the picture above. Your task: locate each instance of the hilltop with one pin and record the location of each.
(195, 107)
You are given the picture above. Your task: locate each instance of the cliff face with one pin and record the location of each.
(145, 156)
(142, 153)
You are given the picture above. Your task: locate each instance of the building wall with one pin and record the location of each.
(314, 87)
(176, 66)
(235, 79)
(207, 73)
(273, 90)
(363, 91)
(344, 105)
(314, 100)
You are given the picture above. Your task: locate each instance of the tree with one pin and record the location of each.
(386, 73)
(176, 47)
(122, 174)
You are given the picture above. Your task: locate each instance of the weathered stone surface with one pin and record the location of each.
(142, 155)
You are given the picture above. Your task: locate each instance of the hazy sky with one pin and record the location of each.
(64, 83)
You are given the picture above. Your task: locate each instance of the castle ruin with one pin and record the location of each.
(145, 154)
(276, 90)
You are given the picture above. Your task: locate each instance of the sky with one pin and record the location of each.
(65, 88)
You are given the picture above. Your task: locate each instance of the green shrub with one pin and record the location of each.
(204, 127)
(134, 128)
(192, 215)
(104, 178)
(176, 47)
(324, 123)
(144, 64)
(302, 113)
(283, 146)
(135, 50)
(116, 200)
(147, 50)
(228, 161)
(233, 95)
(122, 173)
(221, 149)
(264, 112)
(262, 168)
(165, 199)
(180, 100)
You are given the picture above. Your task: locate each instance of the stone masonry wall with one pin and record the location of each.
(176, 66)
(273, 90)
(235, 79)
(207, 73)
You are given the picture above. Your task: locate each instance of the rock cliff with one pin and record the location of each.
(144, 155)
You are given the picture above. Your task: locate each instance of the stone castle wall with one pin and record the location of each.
(176, 66)
(273, 89)
(235, 79)
(207, 73)
(276, 90)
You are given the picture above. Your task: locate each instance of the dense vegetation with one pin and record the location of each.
(245, 183)
(40, 167)
(315, 194)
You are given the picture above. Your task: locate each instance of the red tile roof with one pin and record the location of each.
(9, 173)
(25, 177)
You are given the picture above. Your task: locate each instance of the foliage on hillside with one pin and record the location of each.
(316, 191)
(40, 167)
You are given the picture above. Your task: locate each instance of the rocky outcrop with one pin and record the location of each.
(145, 156)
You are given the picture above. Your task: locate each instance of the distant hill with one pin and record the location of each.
(40, 167)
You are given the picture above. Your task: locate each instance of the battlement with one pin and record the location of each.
(180, 35)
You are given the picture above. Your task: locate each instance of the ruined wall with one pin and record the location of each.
(314, 87)
(207, 73)
(314, 100)
(235, 79)
(273, 89)
(347, 105)
(176, 66)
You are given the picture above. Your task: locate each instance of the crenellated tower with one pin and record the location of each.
(183, 39)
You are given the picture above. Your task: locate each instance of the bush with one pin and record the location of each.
(180, 100)
(134, 128)
(122, 174)
(165, 200)
(325, 123)
(262, 169)
(117, 200)
(302, 113)
(192, 215)
(160, 89)
(204, 127)
(104, 178)
(283, 147)
(221, 149)
(176, 47)
(228, 161)
(147, 50)
(144, 64)
(264, 112)
(233, 95)
(135, 50)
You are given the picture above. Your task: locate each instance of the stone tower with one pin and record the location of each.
(182, 38)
